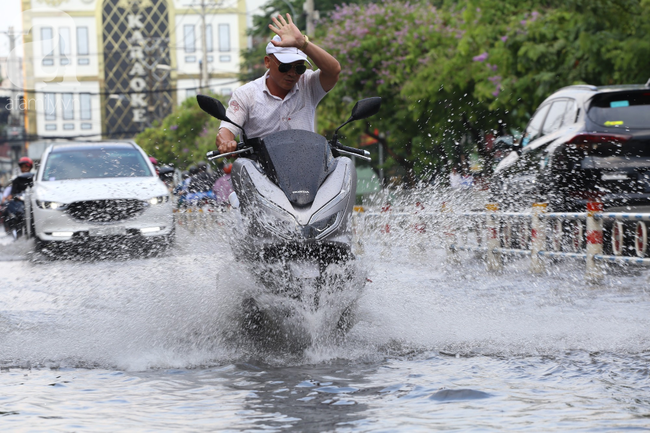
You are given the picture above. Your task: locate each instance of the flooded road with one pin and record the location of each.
(154, 344)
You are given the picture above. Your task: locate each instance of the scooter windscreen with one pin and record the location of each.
(298, 162)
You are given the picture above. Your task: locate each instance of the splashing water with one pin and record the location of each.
(432, 343)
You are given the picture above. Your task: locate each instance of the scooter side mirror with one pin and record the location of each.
(361, 110)
(366, 108)
(213, 107)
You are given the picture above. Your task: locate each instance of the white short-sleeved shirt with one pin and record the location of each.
(260, 113)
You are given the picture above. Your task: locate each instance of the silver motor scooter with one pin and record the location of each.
(294, 194)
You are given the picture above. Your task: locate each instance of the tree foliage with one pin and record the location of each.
(183, 137)
(380, 47)
(450, 74)
(448, 71)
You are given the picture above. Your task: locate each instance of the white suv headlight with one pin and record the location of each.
(158, 200)
(54, 205)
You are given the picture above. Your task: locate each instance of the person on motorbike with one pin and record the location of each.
(286, 96)
(13, 210)
(154, 162)
(181, 187)
(20, 183)
(201, 181)
(223, 186)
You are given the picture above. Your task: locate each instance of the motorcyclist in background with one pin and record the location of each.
(20, 183)
(13, 209)
(154, 161)
(201, 181)
(166, 174)
(223, 186)
(181, 187)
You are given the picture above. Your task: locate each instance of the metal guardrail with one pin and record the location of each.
(540, 234)
(198, 218)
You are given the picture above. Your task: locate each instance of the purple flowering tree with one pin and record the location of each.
(380, 47)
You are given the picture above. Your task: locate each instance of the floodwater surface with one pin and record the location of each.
(156, 344)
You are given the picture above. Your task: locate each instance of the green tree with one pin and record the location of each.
(533, 48)
(183, 137)
(380, 47)
(474, 66)
(448, 71)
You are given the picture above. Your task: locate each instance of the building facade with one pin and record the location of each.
(107, 69)
(12, 133)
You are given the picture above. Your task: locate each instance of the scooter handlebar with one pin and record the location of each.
(354, 150)
(213, 154)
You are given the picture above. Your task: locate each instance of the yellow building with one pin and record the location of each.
(105, 69)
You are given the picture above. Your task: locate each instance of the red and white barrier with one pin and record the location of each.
(577, 235)
(499, 241)
(641, 239)
(449, 233)
(537, 238)
(494, 262)
(594, 239)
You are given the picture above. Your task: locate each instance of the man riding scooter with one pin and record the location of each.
(286, 96)
(13, 206)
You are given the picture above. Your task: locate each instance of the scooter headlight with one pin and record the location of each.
(53, 205)
(320, 228)
(275, 219)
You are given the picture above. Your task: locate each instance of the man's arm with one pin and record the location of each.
(237, 112)
(291, 36)
(328, 65)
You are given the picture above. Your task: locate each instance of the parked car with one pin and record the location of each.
(98, 191)
(583, 142)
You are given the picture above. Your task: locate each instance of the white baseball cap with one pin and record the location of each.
(286, 54)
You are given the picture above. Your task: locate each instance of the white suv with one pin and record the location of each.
(98, 191)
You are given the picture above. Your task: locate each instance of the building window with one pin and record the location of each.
(50, 127)
(47, 46)
(224, 37)
(50, 106)
(208, 38)
(68, 126)
(84, 106)
(67, 106)
(64, 45)
(82, 41)
(190, 40)
(190, 59)
(224, 59)
(86, 126)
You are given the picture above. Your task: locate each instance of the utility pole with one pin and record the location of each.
(309, 10)
(203, 63)
(204, 48)
(13, 73)
(311, 16)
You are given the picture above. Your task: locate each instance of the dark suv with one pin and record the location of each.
(583, 142)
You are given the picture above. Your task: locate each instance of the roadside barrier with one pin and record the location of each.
(198, 218)
(537, 234)
(561, 235)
